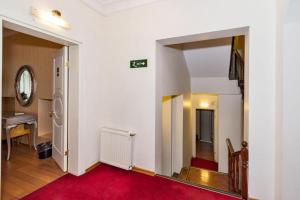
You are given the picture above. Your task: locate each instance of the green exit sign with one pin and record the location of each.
(138, 63)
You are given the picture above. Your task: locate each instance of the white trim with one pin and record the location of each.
(17, 25)
(111, 6)
(233, 31)
(66, 106)
(74, 111)
(215, 142)
(95, 5)
(205, 36)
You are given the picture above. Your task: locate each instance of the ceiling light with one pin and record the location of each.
(204, 104)
(51, 18)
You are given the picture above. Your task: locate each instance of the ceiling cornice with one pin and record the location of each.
(106, 7)
(95, 5)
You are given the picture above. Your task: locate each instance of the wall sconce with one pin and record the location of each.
(51, 18)
(204, 104)
(187, 104)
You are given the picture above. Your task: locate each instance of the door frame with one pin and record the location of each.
(215, 129)
(73, 90)
(172, 139)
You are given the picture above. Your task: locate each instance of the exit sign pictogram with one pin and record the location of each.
(138, 63)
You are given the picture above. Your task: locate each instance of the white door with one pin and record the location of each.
(60, 108)
(177, 134)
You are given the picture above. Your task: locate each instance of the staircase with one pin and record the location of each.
(207, 178)
(235, 182)
(237, 65)
(238, 169)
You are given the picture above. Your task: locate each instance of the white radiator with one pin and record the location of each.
(116, 147)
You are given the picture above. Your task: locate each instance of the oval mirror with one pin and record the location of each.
(24, 85)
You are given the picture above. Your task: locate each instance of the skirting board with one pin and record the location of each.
(143, 171)
(135, 169)
(92, 167)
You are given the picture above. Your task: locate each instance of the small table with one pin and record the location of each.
(12, 120)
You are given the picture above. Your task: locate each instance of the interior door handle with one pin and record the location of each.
(51, 114)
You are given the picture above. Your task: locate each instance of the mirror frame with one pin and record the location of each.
(17, 85)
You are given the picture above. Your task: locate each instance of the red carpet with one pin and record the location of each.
(206, 164)
(110, 183)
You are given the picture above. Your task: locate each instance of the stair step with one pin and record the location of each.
(177, 179)
(204, 177)
(184, 173)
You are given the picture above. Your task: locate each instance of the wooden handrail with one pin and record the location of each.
(236, 67)
(245, 158)
(234, 166)
(229, 145)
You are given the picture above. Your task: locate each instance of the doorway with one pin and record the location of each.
(34, 109)
(212, 105)
(172, 119)
(64, 69)
(205, 134)
(205, 125)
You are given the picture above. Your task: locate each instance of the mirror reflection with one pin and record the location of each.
(24, 85)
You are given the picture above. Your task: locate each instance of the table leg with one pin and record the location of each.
(8, 142)
(34, 131)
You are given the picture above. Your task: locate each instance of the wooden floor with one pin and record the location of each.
(204, 150)
(25, 173)
(205, 177)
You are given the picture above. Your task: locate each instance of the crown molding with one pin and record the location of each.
(95, 5)
(106, 7)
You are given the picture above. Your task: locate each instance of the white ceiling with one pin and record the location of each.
(106, 7)
(209, 58)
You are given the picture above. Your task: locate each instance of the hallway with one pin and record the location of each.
(204, 150)
(111, 183)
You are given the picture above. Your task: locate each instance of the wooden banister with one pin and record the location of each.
(234, 166)
(229, 145)
(245, 158)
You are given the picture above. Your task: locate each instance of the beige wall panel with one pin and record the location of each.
(20, 49)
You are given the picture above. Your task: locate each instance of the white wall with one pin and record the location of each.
(290, 137)
(108, 86)
(132, 34)
(86, 30)
(217, 85)
(281, 13)
(210, 58)
(230, 126)
(44, 119)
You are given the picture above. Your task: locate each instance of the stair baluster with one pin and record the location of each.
(234, 166)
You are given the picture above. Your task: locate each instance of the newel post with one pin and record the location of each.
(244, 155)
